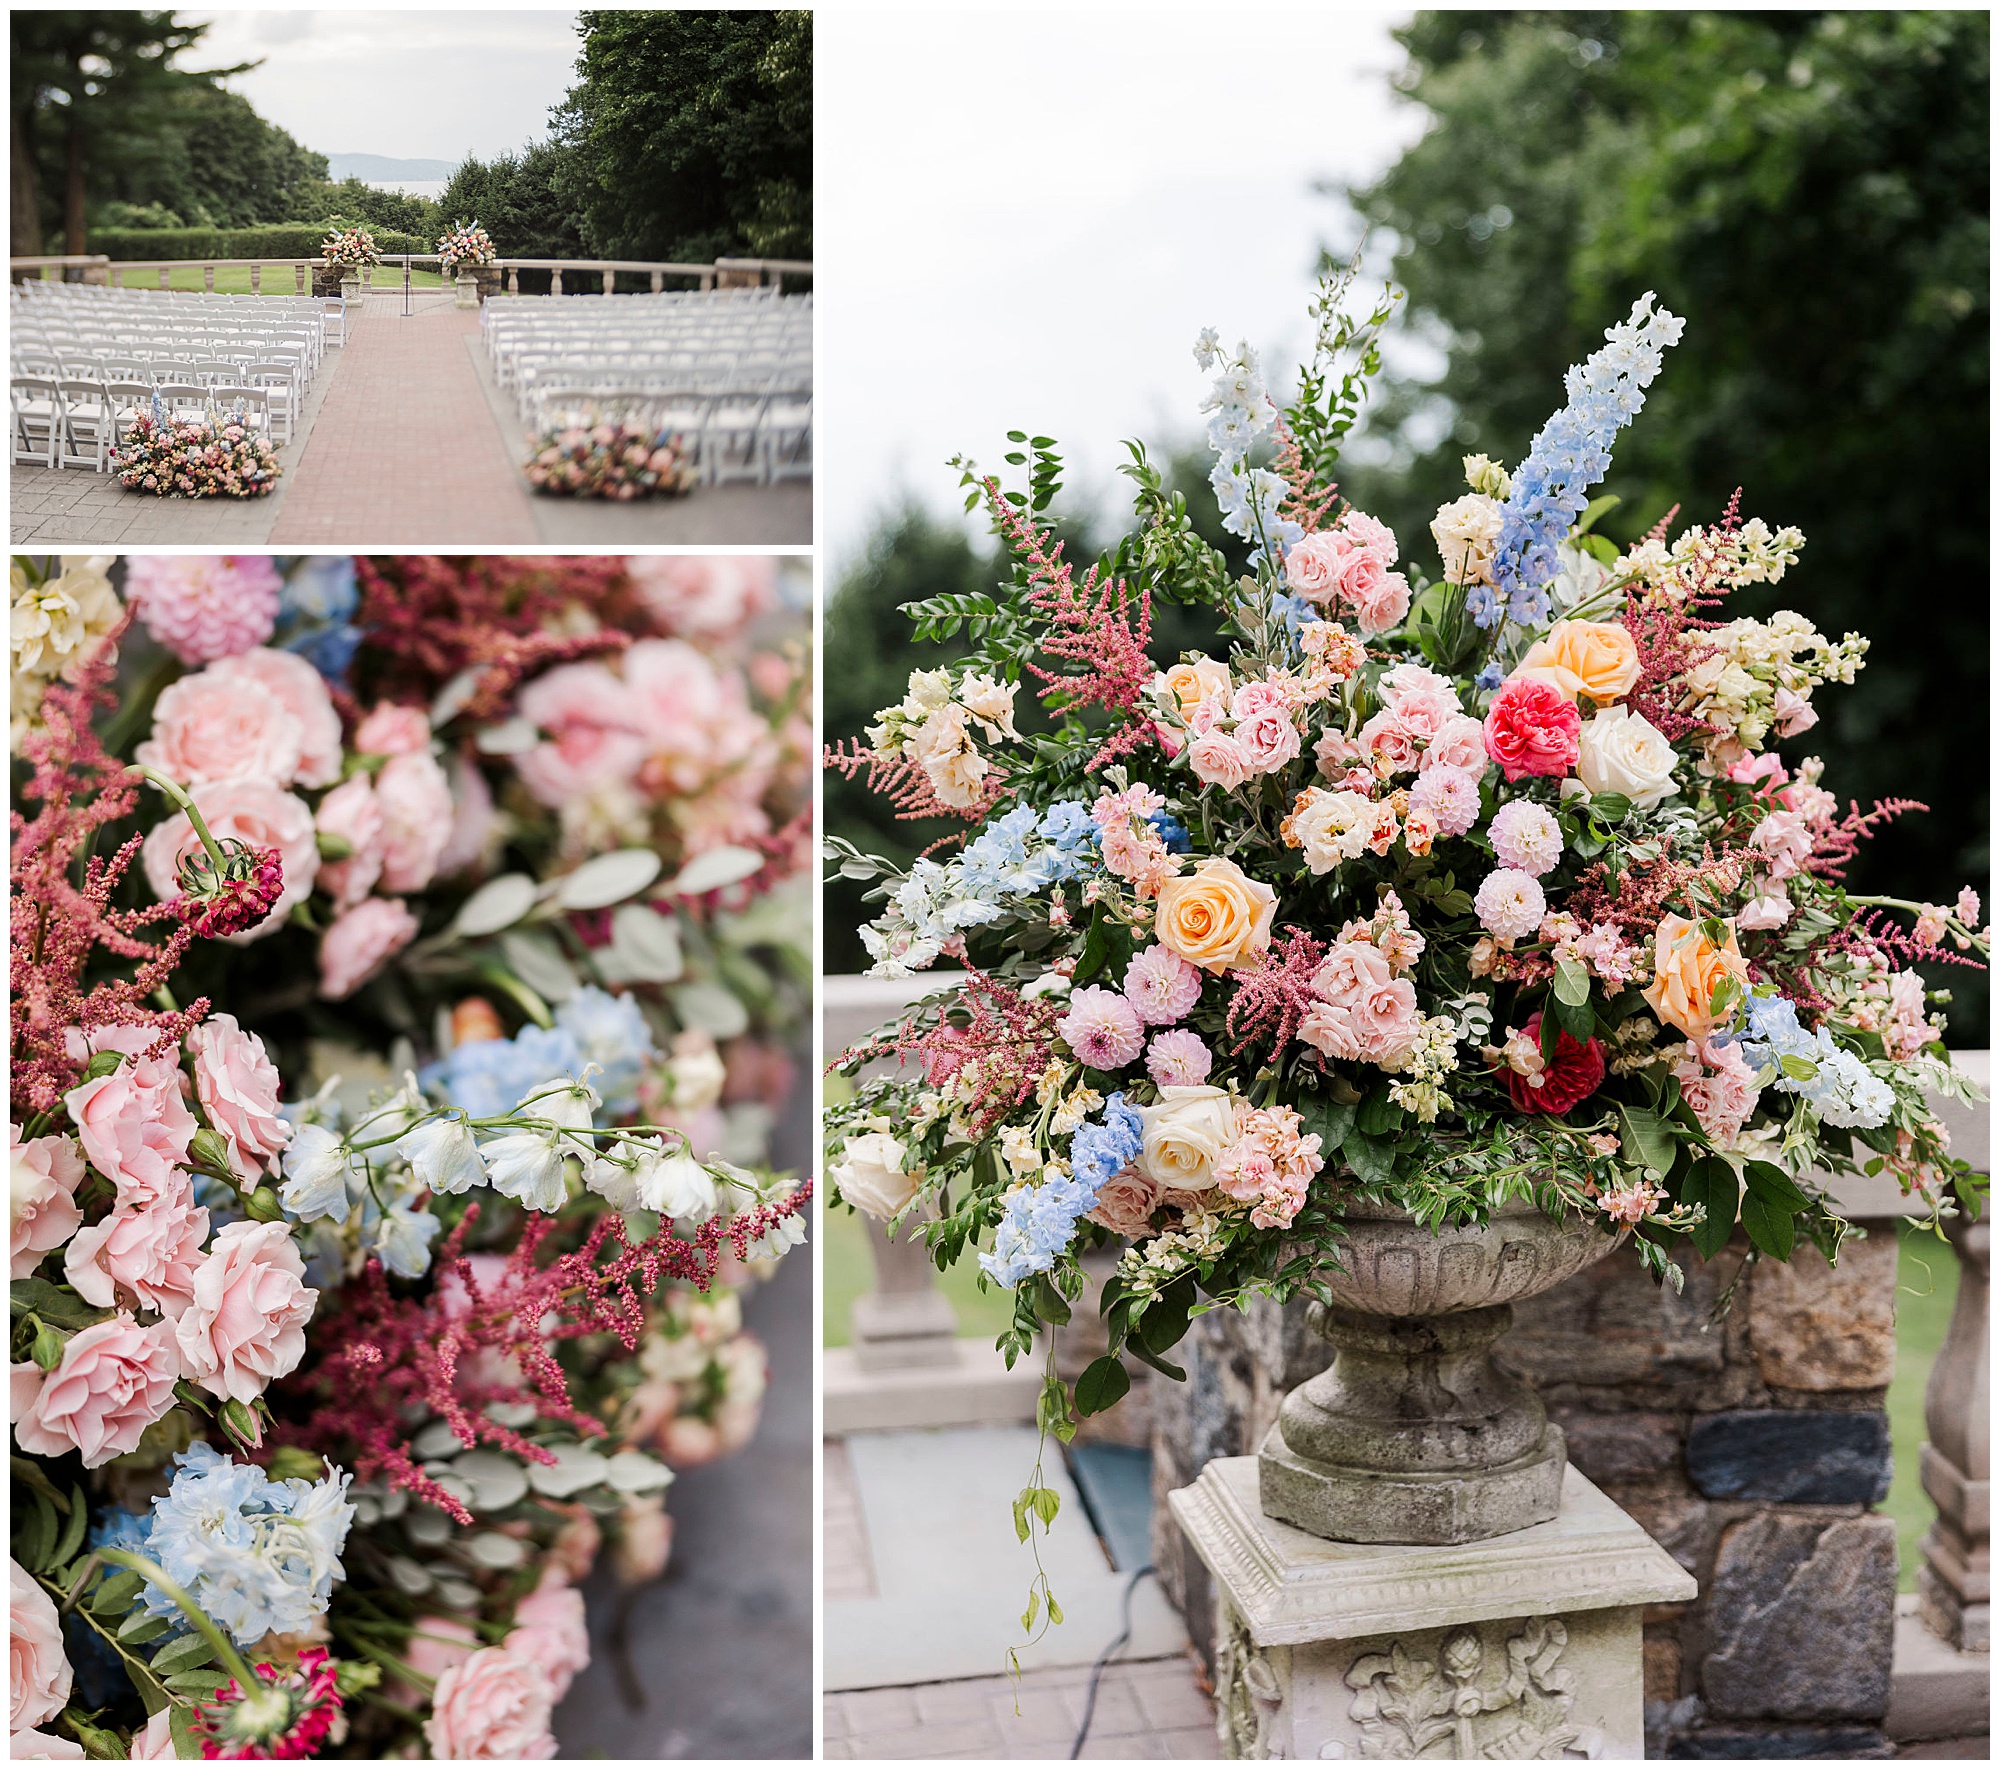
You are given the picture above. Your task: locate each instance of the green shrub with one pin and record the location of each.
(291, 240)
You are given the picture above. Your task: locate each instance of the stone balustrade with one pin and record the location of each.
(723, 273)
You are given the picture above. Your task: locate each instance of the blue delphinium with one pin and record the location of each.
(1172, 831)
(1570, 455)
(1040, 1220)
(1838, 1086)
(316, 611)
(611, 1032)
(254, 1553)
(488, 1076)
(1071, 833)
(1240, 416)
(1492, 675)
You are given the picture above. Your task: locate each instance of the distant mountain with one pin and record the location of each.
(379, 169)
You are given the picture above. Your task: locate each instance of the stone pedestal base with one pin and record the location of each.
(1521, 1646)
(468, 290)
(903, 1330)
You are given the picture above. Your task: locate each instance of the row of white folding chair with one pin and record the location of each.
(59, 423)
(703, 384)
(176, 339)
(249, 368)
(759, 437)
(523, 354)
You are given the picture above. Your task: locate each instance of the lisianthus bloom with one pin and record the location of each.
(1572, 1073)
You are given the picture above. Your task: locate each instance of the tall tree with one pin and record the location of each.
(84, 86)
(691, 134)
(1810, 191)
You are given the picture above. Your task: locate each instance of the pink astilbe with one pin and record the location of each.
(902, 780)
(385, 1358)
(1835, 844)
(1273, 996)
(1307, 502)
(59, 927)
(1666, 625)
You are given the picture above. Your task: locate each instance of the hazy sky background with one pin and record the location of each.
(1029, 221)
(411, 85)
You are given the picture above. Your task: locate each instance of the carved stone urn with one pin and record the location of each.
(1413, 1434)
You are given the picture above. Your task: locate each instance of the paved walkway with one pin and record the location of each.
(406, 452)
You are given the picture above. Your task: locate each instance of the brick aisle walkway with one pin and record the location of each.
(406, 452)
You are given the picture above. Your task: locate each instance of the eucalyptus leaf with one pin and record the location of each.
(645, 947)
(497, 904)
(610, 878)
(539, 963)
(1572, 986)
(714, 868)
(709, 1008)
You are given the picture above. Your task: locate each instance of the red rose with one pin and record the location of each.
(1571, 1074)
(1531, 728)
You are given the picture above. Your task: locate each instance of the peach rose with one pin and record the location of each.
(41, 1198)
(246, 1324)
(415, 801)
(1596, 658)
(393, 730)
(1126, 1203)
(210, 728)
(38, 1675)
(237, 1085)
(1218, 760)
(549, 1628)
(252, 811)
(115, 1379)
(1686, 969)
(350, 813)
(1365, 1013)
(495, 1705)
(1215, 917)
(1194, 681)
(360, 942)
(133, 1123)
(301, 691)
(144, 1257)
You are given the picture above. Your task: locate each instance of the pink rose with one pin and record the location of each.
(252, 811)
(645, 1539)
(575, 1549)
(1782, 844)
(473, 821)
(1313, 568)
(350, 812)
(1385, 736)
(437, 1644)
(238, 1086)
(246, 1324)
(1126, 1203)
(1719, 1087)
(1268, 739)
(1365, 1012)
(495, 1705)
(156, 1738)
(115, 1379)
(208, 727)
(415, 801)
(705, 597)
(1532, 728)
(1218, 760)
(593, 728)
(31, 1746)
(38, 1674)
(144, 1256)
(301, 691)
(392, 729)
(42, 1209)
(360, 942)
(133, 1123)
(696, 720)
(549, 1629)
(1460, 743)
(1380, 606)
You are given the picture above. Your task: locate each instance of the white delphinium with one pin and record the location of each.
(318, 1169)
(443, 1155)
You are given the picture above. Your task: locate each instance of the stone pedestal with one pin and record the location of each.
(467, 286)
(905, 1321)
(1521, 1646)
(1955, 1582)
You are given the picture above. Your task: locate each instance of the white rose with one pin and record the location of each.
(872, 1177)
(1466, 531)
(1184, 1136)
(698, 1074)
(1618, 752)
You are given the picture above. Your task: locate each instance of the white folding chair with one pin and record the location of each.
(36, 425)
(86, 425)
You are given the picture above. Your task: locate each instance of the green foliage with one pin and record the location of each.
(297, 241)
(690, 135)
(1809, 190)
(522, 202)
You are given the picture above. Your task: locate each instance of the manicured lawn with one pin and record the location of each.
(1926, 1288)
(279, 279)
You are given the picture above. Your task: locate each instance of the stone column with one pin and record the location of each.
(1954, 1584)
(905, 1322)
(1523, 1646)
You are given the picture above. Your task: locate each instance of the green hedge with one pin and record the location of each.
(297, 240)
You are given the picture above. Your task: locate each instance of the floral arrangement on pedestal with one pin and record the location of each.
(217, 456)
(349, 249)
(405, 954)
(1436, 889)
(613, 458)
(465, 245)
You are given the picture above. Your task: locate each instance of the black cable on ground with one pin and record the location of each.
(1104, 1659)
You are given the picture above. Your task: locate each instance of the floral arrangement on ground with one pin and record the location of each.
(218, 456)
(610, 459)
(1434, 892)
(406, 955)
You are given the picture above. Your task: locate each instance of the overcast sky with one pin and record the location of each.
(1031, 215)
(412, 85)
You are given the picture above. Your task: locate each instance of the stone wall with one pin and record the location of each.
(1752, 1447)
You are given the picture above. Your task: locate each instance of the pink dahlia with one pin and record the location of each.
(1161, 986)
(1102, 1028)
(1179, 1059)
(203, 608)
